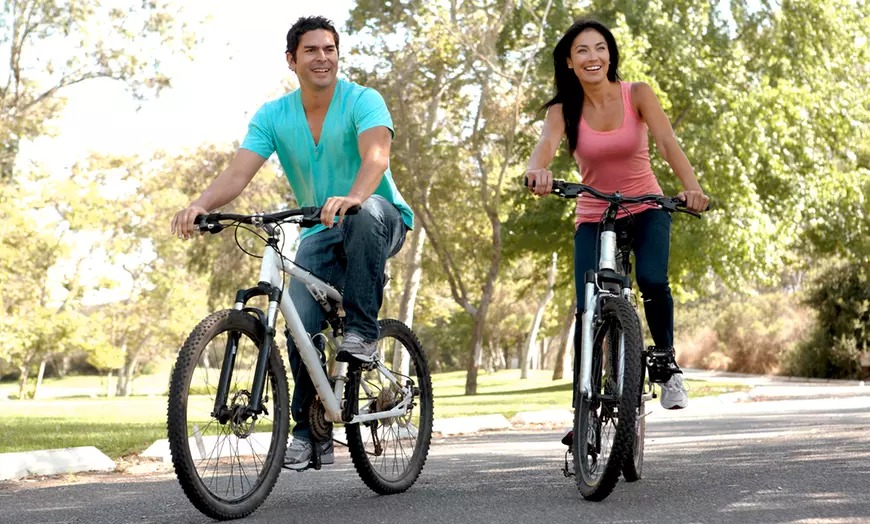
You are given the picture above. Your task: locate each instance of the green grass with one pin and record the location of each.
(124, 426)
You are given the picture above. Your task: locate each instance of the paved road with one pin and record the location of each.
(776, 462)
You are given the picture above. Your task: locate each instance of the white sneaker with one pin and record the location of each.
(674, 395)
(298, 454)
(355, 347)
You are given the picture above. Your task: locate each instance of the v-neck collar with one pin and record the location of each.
(316, 145)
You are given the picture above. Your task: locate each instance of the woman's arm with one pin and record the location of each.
(539, 178)
(650, 110)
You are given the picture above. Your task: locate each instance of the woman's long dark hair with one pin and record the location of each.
(569, 92)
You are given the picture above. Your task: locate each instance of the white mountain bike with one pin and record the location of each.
(612, 387)
(228, 415)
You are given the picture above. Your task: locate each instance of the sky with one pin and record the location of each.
(238, 66)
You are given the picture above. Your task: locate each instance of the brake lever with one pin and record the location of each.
(677, 204)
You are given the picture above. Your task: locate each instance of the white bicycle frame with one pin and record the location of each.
(592, 299)
(271, 269)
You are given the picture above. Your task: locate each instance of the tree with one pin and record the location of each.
(169, 283)
(52, 45)
(473, 64)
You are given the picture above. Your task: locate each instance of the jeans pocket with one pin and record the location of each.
(400, 242)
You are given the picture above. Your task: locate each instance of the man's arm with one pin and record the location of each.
(223, 190)
(374, 150)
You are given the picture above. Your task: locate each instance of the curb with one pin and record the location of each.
(53, 462)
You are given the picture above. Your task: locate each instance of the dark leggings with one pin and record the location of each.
(651, 241)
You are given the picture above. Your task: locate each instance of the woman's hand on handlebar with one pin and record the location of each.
(182, 222)
(539, 181)
(695, 200)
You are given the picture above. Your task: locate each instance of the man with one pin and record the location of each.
(333, 141)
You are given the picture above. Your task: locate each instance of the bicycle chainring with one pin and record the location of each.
(320, 428)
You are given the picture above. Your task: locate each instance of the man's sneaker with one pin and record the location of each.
(355, 347)
(674, 394)
(298, 454)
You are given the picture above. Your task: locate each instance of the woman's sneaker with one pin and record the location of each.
(674, 395)
(663, 370)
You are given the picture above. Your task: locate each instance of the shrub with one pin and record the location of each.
(841, 297)
(745, 334)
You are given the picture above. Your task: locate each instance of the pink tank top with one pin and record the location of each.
(616, 160)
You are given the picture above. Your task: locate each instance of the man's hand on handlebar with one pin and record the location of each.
(182, 223)
(337, 206)
(539, 181)
(695, 200)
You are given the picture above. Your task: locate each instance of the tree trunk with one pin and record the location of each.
(39, 377)
(22, 381)
(564, 357)
(412, 277)
(477, 345)
(125, 378)
(109, 383)
(531, 342)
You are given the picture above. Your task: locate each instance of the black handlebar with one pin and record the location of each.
(573, 190)
(308, 217)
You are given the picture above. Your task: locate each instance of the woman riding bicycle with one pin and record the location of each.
(606, 123)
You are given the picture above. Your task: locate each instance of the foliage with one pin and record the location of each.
(841, 298)
(754, 335)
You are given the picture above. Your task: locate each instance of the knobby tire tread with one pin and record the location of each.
(355, 440)
(214, 324)
(621, 311)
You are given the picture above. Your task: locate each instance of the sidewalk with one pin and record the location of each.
(762, 388)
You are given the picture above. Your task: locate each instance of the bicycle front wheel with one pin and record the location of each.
(604, 420)
(632, 470)
(389, 453)
(227, 461)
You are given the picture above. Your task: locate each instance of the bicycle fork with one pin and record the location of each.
(255, 402)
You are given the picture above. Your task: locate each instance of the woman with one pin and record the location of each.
(606, 122)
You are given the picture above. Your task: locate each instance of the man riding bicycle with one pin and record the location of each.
(333, 139)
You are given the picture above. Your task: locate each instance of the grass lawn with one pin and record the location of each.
(123, 426)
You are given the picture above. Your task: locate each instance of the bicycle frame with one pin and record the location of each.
(271, 284)
(594, 295)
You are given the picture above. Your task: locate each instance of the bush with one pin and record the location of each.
(753, 336)
(841, 297)
(749, 335)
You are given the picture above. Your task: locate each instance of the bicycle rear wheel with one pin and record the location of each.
(390, 453)
(604, 421)
(227, 464)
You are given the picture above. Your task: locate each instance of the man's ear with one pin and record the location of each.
(291, 62)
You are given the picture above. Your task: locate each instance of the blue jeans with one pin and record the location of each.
(651, 242)
(360, 248)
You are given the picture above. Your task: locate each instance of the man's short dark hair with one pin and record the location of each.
(305, 24)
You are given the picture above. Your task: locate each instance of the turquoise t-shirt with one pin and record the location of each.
(317, 172)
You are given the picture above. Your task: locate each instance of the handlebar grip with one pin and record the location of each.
(208, 223)
(311, 215)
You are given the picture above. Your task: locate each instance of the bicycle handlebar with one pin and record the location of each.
(308, 217)
(573, 190)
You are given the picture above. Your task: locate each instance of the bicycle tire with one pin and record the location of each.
(235, 447)
(604, 412)
(632, 470)
(415, 427)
